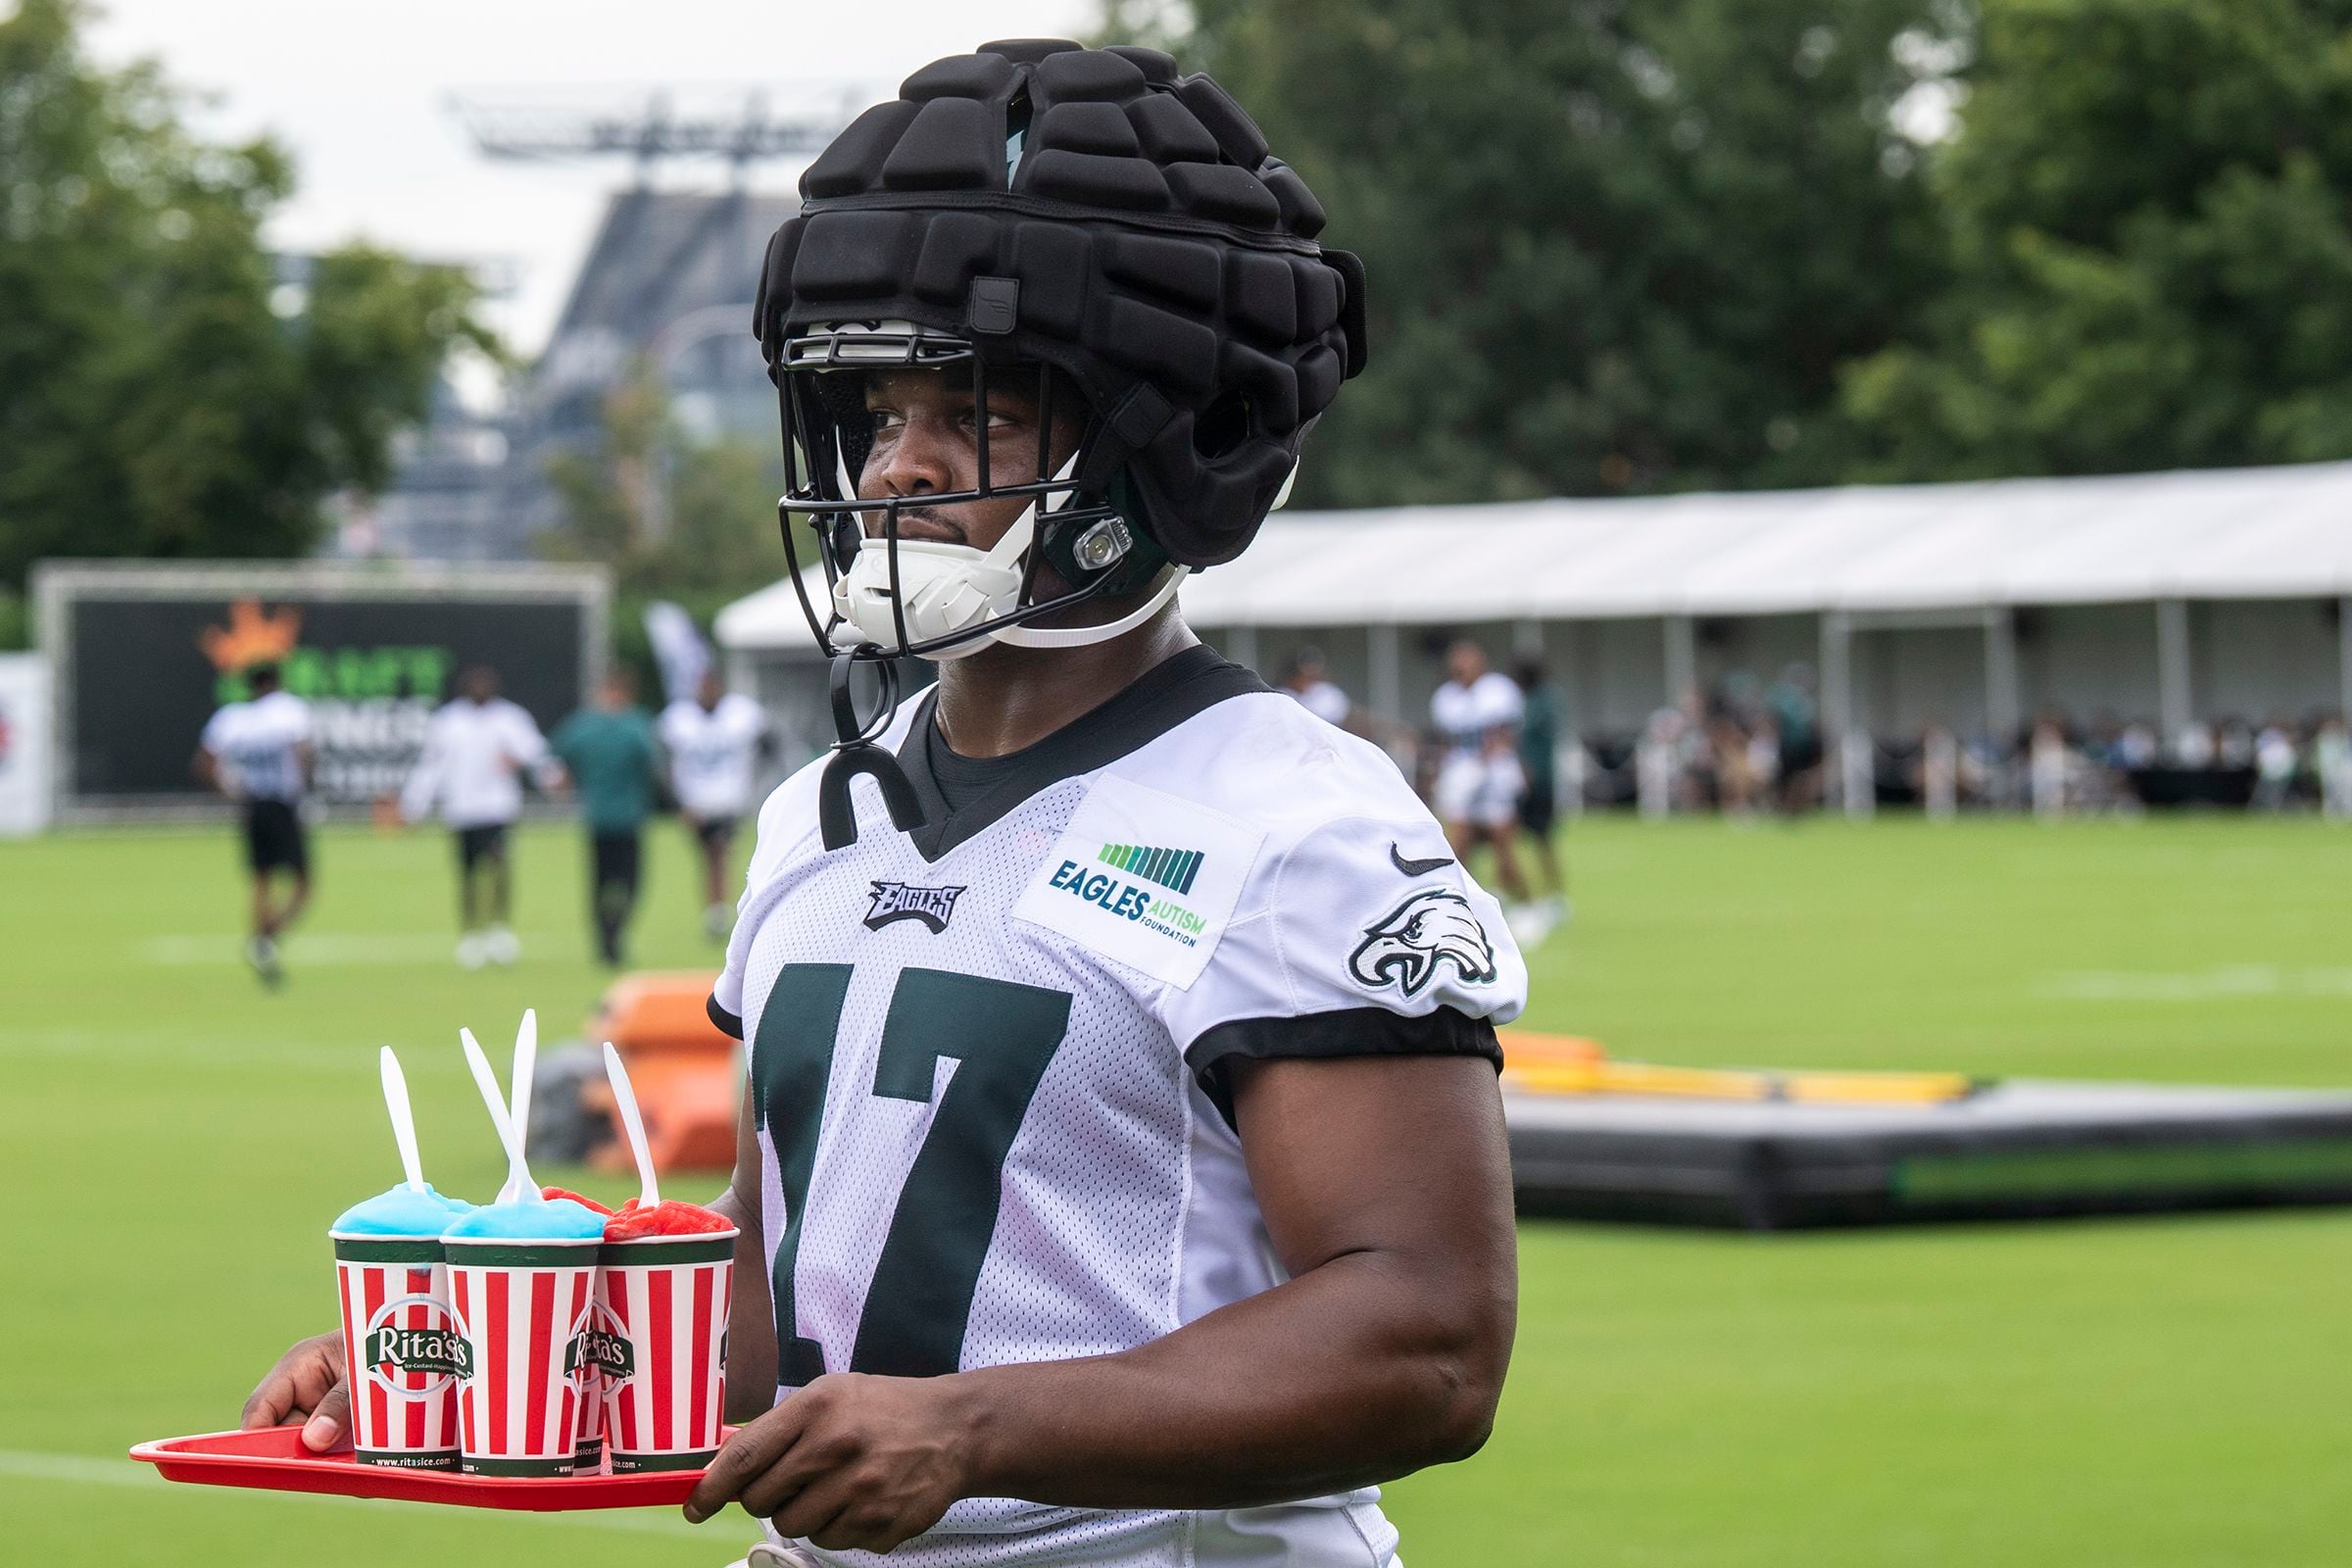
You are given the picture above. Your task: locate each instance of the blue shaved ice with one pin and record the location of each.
(532, 1219)
(402, 1211)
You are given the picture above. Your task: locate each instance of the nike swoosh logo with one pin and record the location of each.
(1417, 868)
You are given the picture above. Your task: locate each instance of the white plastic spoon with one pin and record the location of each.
(625, 1097)
(519, 1083)
(518, 1175)
(404, 1122)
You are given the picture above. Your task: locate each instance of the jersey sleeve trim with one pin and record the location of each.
(728, 1023)
(1343, 1032)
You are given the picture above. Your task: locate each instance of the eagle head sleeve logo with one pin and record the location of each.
(1405, 947)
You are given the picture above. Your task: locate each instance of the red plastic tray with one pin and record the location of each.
(274, 1459)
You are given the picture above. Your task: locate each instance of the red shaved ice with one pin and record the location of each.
(551, 1194)
(633, 1221)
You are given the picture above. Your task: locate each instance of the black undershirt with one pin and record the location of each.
(962, 779)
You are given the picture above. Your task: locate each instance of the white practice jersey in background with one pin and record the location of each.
(253, 744)
(1465, 713)
(712, 752)
(987, 1057)
(1324, 700)
(471, 765)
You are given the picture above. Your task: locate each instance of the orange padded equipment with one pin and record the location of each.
(1563, 1064)
(687, 1074)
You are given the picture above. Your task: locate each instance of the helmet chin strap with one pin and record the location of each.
(1082, 636)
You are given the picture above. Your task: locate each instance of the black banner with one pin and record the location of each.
(148, 672)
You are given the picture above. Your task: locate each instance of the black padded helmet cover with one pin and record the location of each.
(1155, 253)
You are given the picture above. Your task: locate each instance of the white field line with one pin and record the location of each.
(78, 1469)
(2227, 982)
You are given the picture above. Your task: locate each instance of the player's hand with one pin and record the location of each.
(308, 1385)
(849, 1462)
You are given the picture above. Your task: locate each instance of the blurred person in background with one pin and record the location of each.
(257, 754)
(2275, 759)
(2194, 746)
(477, 748)
(1308, 679)
(1540, 767)
(2047, 763)
(1796, 719)
(1476, 797)
(2234, 743)
(613, 766)
(714, 741)
(1730, 754)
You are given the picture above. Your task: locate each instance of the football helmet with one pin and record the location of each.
(1079, 223)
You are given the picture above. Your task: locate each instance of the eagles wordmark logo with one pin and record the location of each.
(905, 901)
(1405, 947)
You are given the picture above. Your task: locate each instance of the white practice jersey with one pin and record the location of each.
(1465, 713)
(471, 766)
(712, 752)
(988, 1059)
(254, 744)
(1325, 700)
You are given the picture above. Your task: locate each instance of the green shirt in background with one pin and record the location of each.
(1540, 738)
(615, 762)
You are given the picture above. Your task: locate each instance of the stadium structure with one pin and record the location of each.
(667, 283)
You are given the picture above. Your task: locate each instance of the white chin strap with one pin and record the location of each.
(947, 588)
(1080, 636)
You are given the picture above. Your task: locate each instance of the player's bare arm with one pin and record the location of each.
(751, 1316)
(1385, 1189)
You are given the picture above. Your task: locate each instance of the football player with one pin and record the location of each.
(1476, 713)
(1122, 1171)
(713, 740)
(477, 747)
(259, 754)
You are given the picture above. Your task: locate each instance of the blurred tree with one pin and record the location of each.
(1612, 246)
(161, 392)
(675, 518)
(2146, 210)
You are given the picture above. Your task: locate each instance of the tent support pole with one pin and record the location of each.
(2172, 704)
(1385, 671)
(2003, 701)
(1836, 686)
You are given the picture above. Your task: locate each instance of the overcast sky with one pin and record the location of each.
(357, 91)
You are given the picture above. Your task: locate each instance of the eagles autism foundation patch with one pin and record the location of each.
(1144, 879)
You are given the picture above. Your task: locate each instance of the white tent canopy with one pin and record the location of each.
(2239, 534)
(2168, 594)
(2249, 533)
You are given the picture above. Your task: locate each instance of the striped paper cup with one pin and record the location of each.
(592, 1379)
(665, 1298)
(523, 1308)
(402, 1347)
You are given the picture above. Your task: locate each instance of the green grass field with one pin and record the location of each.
(2156, 1394)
